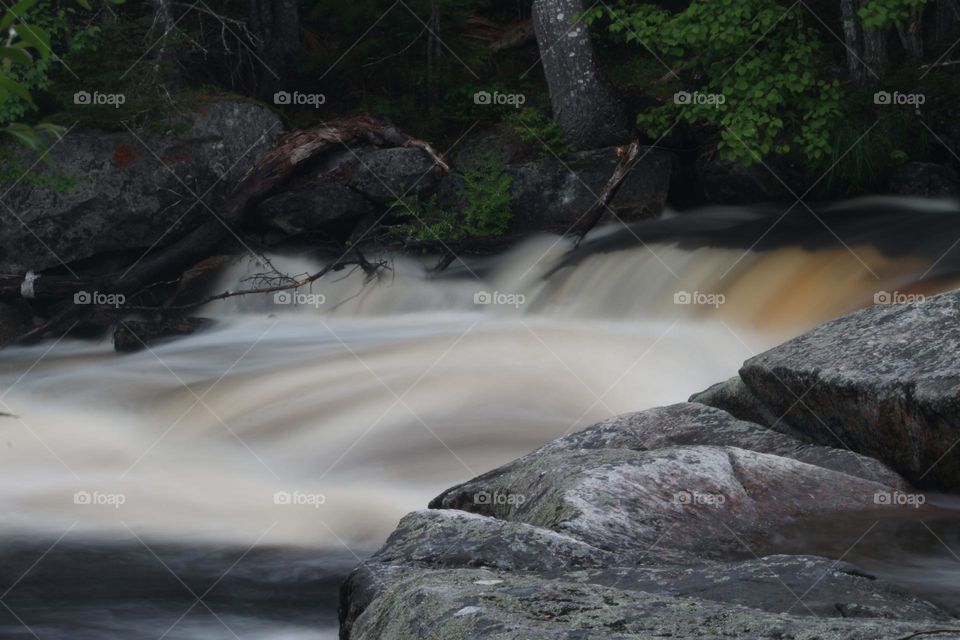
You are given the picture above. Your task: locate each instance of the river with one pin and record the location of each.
(221, 485)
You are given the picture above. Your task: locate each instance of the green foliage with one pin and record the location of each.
(880, 14)
(29, 30)
(483, 206)
(539, 131)
(760, 88)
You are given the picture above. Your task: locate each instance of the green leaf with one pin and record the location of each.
(36, 37)
(16, 55)
(16, 12)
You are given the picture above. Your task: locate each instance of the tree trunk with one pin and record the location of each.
(584, 104)
(851, 36)
(911, 33)
(947, 23)
(277, 24)
(875, 52)
(866, 48)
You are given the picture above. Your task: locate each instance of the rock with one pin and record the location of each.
(693, 424)
(925, 179)
(131, 191)
(501, 605)
(551, 195)
(625, 501)
(346, 188)
(729, 182)
(328, 207)
(134, 335)
(383, 175)
(736, 399)
(426, 536)
(641, 526)
(882, 381)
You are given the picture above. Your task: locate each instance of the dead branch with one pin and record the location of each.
(369, 268)
(629, 156)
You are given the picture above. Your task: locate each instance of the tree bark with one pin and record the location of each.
(851, 37)
(584, 103)
(947, 23)
(277, 25)
(875, 52)
(911, 33)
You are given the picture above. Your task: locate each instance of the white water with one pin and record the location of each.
(377, 399)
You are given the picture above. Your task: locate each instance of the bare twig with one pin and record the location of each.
(294, 283)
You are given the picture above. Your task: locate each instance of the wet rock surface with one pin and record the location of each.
(641, 526)
(883, 381)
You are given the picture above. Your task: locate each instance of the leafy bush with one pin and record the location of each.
(26, 62)
(484, 206)
(880, 14)
(757, 68)
(539, 131)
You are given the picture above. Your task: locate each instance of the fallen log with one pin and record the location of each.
(293, 153)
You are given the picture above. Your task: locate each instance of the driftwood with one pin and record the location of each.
(629, 156)
(167, 264)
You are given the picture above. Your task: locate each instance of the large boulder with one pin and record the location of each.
(349, 186)
(640, 526)
(129, 190)
(550, 194)
(547, 194)
(883, 381)
(405, 603)
(726, 181)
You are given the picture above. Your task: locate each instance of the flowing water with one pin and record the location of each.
(222, 484)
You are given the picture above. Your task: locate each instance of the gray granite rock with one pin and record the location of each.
(883, 381)
(126, 191)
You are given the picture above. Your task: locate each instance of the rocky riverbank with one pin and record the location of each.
(643, 526)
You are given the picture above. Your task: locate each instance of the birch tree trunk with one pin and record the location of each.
(584, 103)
